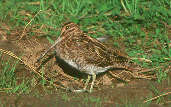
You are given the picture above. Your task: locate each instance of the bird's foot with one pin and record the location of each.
(79, 91)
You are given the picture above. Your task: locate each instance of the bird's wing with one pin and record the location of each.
(96, 53)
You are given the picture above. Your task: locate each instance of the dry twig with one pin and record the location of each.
(154, 98)
(30, 67)
(22, 35)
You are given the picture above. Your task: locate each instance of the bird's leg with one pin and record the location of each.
(87, 81)
(86, 84)
(92, 84)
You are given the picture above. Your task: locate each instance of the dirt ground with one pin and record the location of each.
(133, 93)
(108, 91)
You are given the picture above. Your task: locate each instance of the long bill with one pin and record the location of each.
(56, 42)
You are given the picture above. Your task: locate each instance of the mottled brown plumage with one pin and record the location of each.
(87, 54)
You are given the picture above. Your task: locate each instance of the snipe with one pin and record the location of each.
(87, 54)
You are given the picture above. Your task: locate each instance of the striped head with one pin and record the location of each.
(69, 28)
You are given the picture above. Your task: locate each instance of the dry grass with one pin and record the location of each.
(11, 54)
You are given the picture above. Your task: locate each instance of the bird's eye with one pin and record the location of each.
(67, 27)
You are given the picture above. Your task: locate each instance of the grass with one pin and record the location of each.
(8, 80)
(142, 26)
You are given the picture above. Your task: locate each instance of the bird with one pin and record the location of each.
(87, 54)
